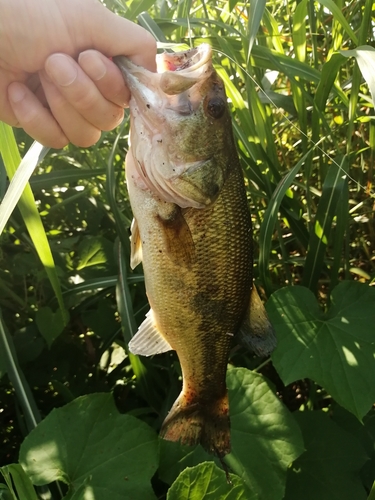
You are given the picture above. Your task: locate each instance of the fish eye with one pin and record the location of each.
(216, 107)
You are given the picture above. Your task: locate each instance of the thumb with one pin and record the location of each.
(114, 35)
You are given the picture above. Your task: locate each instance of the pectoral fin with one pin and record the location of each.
(256, 332)
(177, 236)
(135, 245)
(148, 340)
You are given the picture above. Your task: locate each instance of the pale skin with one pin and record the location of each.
(56, 79)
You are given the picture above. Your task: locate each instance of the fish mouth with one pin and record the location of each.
(176, 72)
(157, 101)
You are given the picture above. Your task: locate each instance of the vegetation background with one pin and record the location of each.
(299, 77)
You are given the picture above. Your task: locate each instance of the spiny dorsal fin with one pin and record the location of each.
(148, 340)
(256, 332)
(135, 245)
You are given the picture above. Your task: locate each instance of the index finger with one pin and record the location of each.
(114, 35)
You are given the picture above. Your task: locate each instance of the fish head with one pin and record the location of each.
(180, 127)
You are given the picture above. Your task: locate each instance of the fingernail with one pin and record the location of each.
(92, 65)
(16, 93)
(61, 69)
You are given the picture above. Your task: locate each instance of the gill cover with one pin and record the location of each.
(172, 114)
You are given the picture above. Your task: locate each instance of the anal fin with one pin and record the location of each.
(256, 333)
(148, 340)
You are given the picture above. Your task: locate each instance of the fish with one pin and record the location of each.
(192, 232)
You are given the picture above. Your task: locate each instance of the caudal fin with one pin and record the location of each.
(204, 422)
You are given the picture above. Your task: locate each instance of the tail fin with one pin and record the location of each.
(204, 422)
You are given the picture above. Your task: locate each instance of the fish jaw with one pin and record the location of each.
(171, 119)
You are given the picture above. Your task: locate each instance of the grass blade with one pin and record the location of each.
(256, 10)
(17, 379)
(335, 9)
(270, 218)
(29, 212)
(320, 236)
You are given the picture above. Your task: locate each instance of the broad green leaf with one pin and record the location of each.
(329, 468)
(18, 483)
(93, 251)
(49, 323)
(30, 214)
(175, 457)
(336, 349)
(264, 434)
(207, 482)
(88, 439)
(365, 57)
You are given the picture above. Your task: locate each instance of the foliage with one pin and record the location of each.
(300, 81)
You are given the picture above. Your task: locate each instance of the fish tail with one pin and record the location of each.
(192, 421)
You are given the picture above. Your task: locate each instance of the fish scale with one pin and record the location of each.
(192, 232)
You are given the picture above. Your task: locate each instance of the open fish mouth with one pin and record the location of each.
(165, 106)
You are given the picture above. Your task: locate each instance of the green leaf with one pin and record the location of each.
(335, 349)
(50, 324)
(334, 185)
(28, 209)
(329, 469)
(17, 378)
(5, 493)
(18, 482)
(264, 434)
(175, 457)
(89, 439)
(269, 221)
(20, 179)
(365, 57)
(207, 481)
(336, 11)
(93, 251)
(255, 14)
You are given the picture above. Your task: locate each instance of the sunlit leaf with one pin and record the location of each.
(207, 482)
(264, 434)
(89, 444)
(365, 57)
(336, 348)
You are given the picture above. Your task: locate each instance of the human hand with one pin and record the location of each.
(56, 80)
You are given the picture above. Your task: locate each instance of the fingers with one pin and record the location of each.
(83, 100)
(77, 129)
(106, 75)
(116, 36)
(34, 118)
(82, 94)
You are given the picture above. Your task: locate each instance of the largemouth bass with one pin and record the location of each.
(192, 230)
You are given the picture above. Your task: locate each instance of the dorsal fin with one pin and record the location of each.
(135, 245)
(148, 340)
(256, 333)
